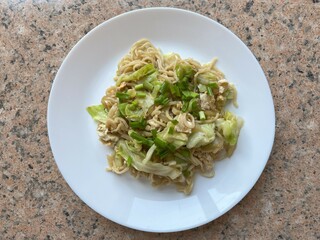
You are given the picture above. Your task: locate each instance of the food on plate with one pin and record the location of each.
(165, 117)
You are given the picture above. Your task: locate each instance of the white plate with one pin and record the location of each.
(89, 69)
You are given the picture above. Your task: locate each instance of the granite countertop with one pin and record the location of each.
(36, 202)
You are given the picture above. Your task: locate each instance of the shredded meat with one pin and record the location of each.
(207, 102)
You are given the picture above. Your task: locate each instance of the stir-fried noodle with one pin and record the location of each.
(166, 117)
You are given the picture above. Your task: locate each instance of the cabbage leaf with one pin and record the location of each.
(98, 113)
(230, 126)
(139, 162)
(175, 138)
(137, 75)
(201, 135)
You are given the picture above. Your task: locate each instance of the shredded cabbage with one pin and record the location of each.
(98, 113)
(201, 135)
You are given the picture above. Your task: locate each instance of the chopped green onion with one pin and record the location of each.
(193, 105)
(138, 124)
(160, 143)
(185, 107)
(164, 87)
(154, 133)
(183, 85)
(163, 153)
(147, 85)
(141, 139)
(122, 108)
(175, 91)
(174, 121)
(155, 91)
(141, 94)
(202, 116)
(122, 96)
(133, 106)
(209, 90)
(139, 86)
(129, 161)
(186, 173)
(171, 130)
(213, 85)
(161, 100)
(184, 72)
(132, 93)
(187, 95)
(171, 147)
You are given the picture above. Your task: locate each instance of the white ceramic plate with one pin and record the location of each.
(89, 69)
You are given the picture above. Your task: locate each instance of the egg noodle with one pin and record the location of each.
(165, 117)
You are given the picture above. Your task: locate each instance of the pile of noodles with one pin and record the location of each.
(171, 169)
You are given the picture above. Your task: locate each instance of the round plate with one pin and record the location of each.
(89, 69)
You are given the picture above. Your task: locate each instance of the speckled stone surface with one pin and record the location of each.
(36, 202)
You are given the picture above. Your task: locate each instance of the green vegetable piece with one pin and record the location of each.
(161, 100)
(132, 93)
(141, 124)
(164, 87)
(160, 143)
(201, 135)
(98, 113)
(154, 133)
(133, 112)
(145, 103)
(149, 154)
(150, 80)
(177, 139)
(141, 94)
(129, 161)
(230, 126)
(141, 139)
(202, 88)
(202, 116)
(174, 90)
(125, 151)
(193, 106)
(185, 152)
(186, 173)
(213, 85)
(163, 153)
(147, 85)
(209, 90)
(174, 121)
(185, 106)
(155, 91)
(184, 72)
(139, 86)
(171, 147)
(122, 108)
(137, 75)
(122, 96)
(188, 95)
(207, 78)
